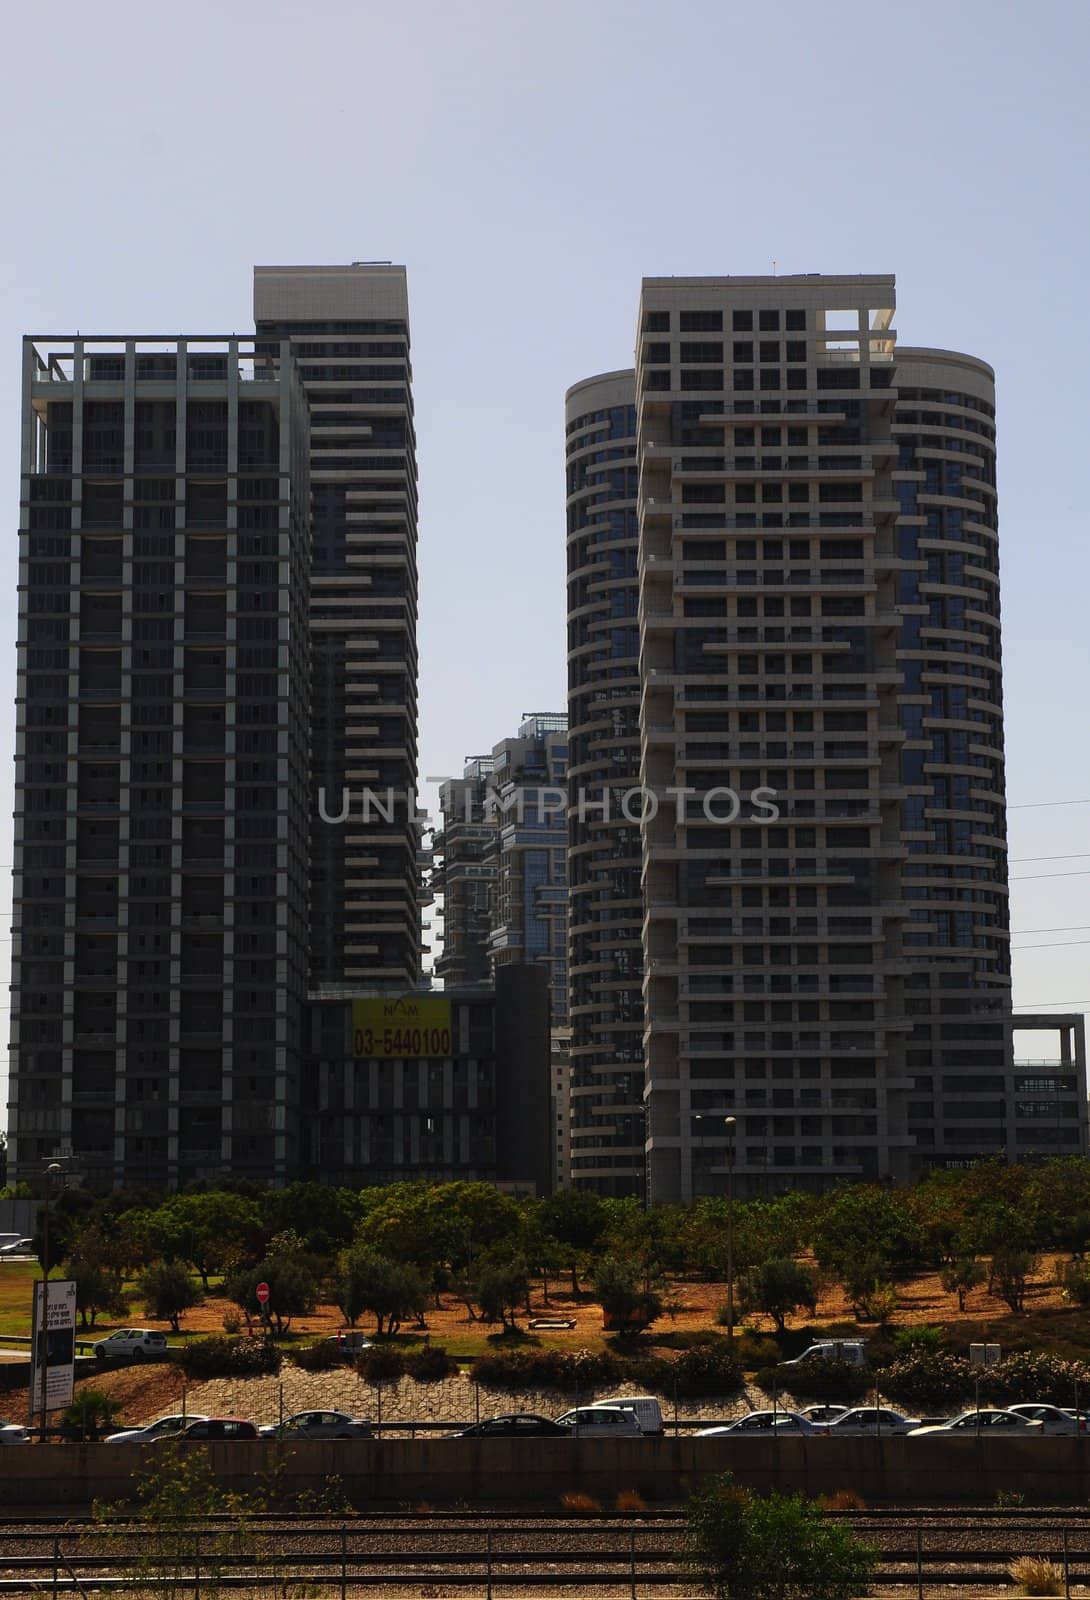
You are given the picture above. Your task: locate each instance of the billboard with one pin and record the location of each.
(408, 1025)
(54, 1345)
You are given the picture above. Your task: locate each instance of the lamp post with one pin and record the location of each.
(54, 1166)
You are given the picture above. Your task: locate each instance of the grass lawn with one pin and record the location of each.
(16, 1295)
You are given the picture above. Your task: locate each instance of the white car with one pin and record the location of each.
(134, 1343)
(766, 1423)
(873, 1419)
(163, 1429)
(318, 1425)
(984, 1421)
(1053, 1419)
(821, 1415)
(601, 1422)
(13, 1433)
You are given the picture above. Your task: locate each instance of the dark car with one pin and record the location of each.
(513, 1425)
(210, 1428)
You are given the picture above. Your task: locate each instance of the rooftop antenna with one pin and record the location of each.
(773, 266)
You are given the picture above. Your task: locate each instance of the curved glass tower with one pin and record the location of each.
(606, 913)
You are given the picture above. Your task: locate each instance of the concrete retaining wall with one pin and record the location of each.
(482, 1470)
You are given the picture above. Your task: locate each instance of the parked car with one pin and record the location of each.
(348, 1343)
(852, 1352)
(994, 1422)
(165, 1428)
(209, 1428)
(13, 1433)
(137, 1344)
(822, 1414)
(513, 1424)
(318, 1425)
(647, 1410)
(1053, 1419)
(872, 1419)
(17, 1247)
(601, 1422)
(764, 1422)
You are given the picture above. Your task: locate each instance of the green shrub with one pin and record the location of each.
(383, 1363)
(321, 1357)
(707, 1371)
(1073, 1278)
(820, 1379)
(568, 1371)
(756, 1350)
(1036, 1375)
(91, 1414)
(927, 1378)
(222, 1357)
(775, 1548)
(918, 1336)
(430, 1364)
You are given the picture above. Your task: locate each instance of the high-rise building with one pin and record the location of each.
(159, 973)
(349, 333)
(825, 961)
(604, 865)
(465, 874)
(502, 873)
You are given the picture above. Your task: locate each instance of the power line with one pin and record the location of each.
(1080, 855)
(1045, 1005)
(1030, 877)
(1034, 805)
(1060, 944)
(1073, 927)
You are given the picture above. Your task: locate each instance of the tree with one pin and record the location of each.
(90, 1414)
(390, 1290)
(293, 1290)
(211, 1231)
(962, 1275)
(1010, 1274)
(863, 1222)
(577, 1220)
(779, 1287)
(98, 1283)
(325, 1218)
(168, 1291)
(501, 1289)
(776, 1548)
(627, 1305)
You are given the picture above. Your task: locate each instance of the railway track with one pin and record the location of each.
(921, 1552)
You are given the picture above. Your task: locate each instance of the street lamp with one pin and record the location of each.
(729, 1123)
(53, 1167)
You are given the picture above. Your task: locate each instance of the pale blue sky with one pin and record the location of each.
(529, 164)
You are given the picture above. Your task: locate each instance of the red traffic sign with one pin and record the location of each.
(262, 1292)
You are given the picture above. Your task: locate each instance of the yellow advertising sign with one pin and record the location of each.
(411, 1025)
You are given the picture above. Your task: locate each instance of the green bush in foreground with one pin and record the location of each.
(222, 1357)
(777, 1548)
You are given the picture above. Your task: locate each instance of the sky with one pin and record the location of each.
(529, 164)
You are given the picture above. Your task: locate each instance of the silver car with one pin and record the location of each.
(765, 1423)
(1053, 1419)
(318, 1425)
(163, 1429)
(601, 1422)
(872, 1419)
(995, 1423)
